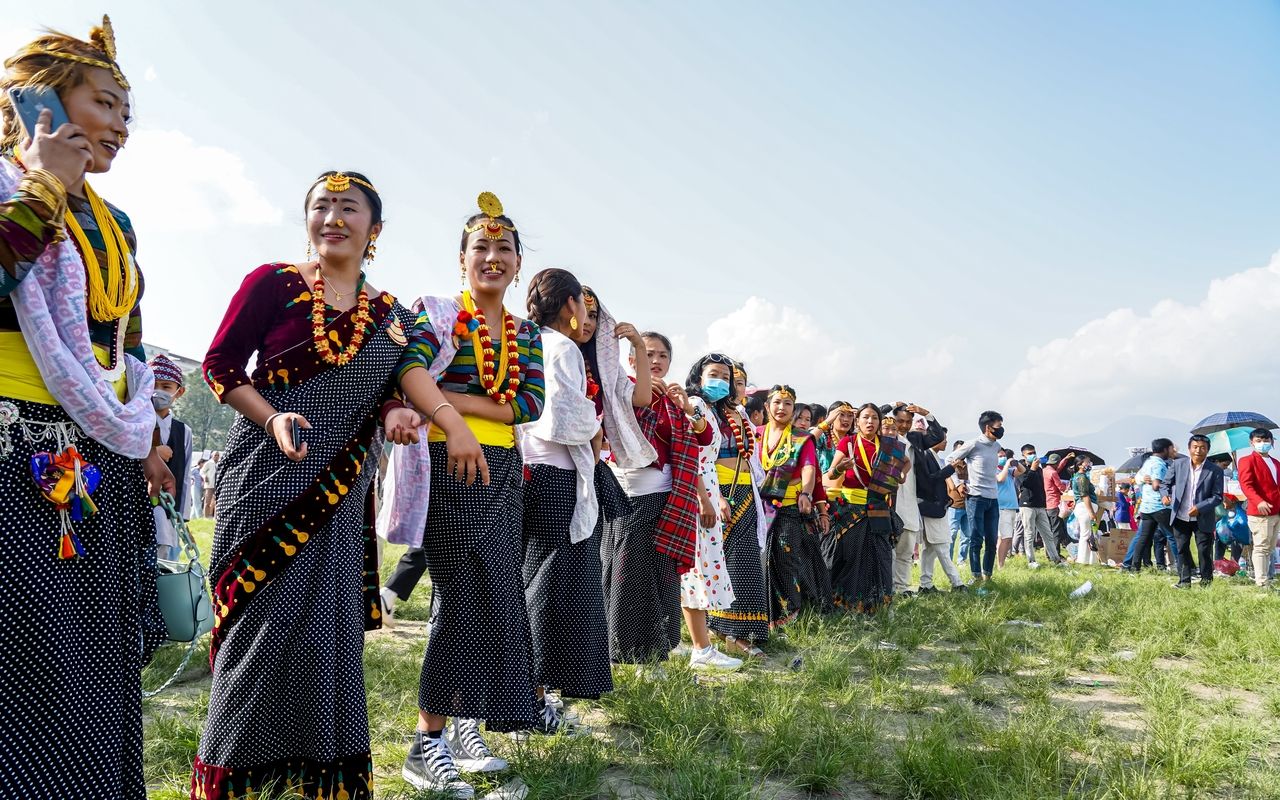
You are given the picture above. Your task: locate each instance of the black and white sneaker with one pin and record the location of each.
(430, 766)
(470, 751)
(549, 720)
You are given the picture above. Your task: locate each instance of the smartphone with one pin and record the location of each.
(29, 101)
(296, 430)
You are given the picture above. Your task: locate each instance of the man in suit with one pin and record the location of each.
(1260, 482)
(1191, 490)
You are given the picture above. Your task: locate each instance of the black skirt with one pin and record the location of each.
(71, 656)
(563, 589)
(477, 662)
(641, 586)
(859, 551)
(784, 567)
(748, 618)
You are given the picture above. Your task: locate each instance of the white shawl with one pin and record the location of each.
(569, 419)
(630, 448)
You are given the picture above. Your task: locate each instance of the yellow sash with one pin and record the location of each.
(793, 492)
(855, 496)
(727, 478)
(487, 431)
(20, 378)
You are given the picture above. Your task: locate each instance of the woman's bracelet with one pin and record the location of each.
(266, 426)
(431, 417)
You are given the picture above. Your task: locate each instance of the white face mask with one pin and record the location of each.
(161, 400)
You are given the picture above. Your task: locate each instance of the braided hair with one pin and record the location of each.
(549, 290)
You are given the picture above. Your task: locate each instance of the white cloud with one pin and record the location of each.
(166, 180)
(1178, 360)
(150, 74)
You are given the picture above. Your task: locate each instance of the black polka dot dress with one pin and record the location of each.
(747, 619)
(295, 588)
(563, 590)
(72, 631)
(641, 585)
(478, 656)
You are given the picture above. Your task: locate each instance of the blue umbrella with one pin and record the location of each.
(1229, 441)
(1233, 419)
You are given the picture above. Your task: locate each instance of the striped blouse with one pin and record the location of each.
(462, 377)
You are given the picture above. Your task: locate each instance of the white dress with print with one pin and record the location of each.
(707, 586)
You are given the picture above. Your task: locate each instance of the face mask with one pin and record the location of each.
(1001, 461)
(998, 432)
(1262, 447)
(715, 389)
(1031, 459)
(161, 400)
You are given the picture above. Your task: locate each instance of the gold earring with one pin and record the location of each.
(462, 275)
(573, 323)
(517, 280)
(372, 249)
(309, 250)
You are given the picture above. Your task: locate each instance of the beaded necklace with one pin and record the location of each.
(359, 322)
(507, 358)
(741, 435)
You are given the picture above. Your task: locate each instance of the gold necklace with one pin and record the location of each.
(120, 294)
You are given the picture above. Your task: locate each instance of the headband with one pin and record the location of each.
(108, 47)
(493, 227)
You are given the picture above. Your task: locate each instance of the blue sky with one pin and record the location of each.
(921, 198)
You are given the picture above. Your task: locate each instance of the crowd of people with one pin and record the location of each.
(572, 514)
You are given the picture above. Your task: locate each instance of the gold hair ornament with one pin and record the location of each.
(589, 298)
(491, 207)
(340, 182)
(782, 392)
(108, 46)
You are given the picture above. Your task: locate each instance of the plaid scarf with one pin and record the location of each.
(677, 529)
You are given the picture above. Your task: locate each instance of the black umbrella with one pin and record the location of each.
(1063, 452)
(1134, 463)
(1233, 419)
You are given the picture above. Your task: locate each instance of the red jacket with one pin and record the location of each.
(1257, 484)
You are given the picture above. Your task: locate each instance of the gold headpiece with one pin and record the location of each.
(491, 206)
(339, 182)
(108, 47)
(784, 392)
(589, 298)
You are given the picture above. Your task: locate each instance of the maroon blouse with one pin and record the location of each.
(271, 315)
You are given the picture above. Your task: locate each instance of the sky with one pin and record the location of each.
(1066, 212)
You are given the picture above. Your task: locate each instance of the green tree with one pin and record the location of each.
(210, 421)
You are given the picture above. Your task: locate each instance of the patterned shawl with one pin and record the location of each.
(677, 531)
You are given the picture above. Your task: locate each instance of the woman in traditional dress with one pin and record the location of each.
(735, 476)
(477, 662)
(294, 556)
(672, 532)
(78, 614)
(791, 487)
(864, 528)
(562, 511)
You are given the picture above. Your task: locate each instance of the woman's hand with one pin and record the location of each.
(401, 425)
(824, 523)
(725, 511)
(625, 330)
(65, 152)
(281, 430)
(681, 398)
(159, 478)
(466, 459)
(165, 452)
(804, 504)
(840, 464)
(706, 511)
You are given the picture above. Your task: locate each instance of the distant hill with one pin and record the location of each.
(1113, 441)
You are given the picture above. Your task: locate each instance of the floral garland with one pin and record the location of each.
(471, 321)
(360, 321)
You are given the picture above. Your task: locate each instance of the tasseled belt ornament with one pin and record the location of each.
(67, 481)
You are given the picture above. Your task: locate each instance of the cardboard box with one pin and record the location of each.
(1113, 546)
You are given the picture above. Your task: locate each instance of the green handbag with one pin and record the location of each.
(182, 585)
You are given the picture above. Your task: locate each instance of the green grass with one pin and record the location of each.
(1135, 692)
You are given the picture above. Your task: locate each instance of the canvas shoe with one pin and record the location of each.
(429, 766)
(470, 751)
(712, 658)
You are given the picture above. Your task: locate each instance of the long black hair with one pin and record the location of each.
(588, 347)
(549, 290)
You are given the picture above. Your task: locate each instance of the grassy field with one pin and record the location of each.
(1133, 692)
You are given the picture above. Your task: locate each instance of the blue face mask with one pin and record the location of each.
(715, 389)
(1262, 447)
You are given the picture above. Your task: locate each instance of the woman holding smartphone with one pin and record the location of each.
(76, 438)
(294, 558)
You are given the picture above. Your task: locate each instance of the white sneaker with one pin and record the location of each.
(429, 766)
(470, 751)
(388, 603)
(712, 658)
(1033, 565)
(681, 649)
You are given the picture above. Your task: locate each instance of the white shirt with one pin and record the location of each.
(1271, 465)
(1189, 493)
(908, 505)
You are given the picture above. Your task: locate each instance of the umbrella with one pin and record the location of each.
(1233, 419)
(1134, 463)
(1079, 451)
(1229, 441)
